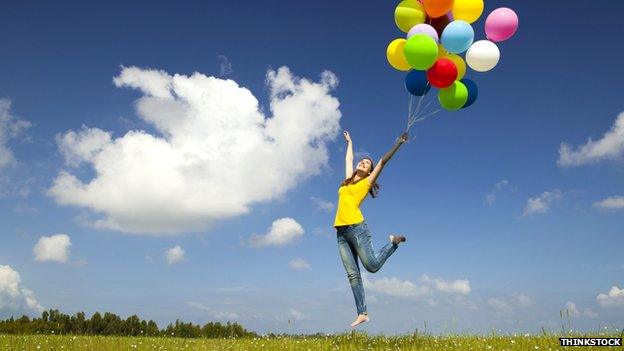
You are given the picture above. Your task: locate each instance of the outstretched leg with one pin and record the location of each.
(349, 260)
(371, 260)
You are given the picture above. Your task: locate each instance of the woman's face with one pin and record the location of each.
(364, 166)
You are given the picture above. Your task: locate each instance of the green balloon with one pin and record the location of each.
(421, 51)
(454, 97)
(408, 14)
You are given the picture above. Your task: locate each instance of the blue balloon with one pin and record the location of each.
(473, 91)
(457, 37)
(417, 83)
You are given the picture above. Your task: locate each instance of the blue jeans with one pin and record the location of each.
(355, 241)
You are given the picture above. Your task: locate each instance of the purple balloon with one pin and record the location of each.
(424, 29)
(501, 24)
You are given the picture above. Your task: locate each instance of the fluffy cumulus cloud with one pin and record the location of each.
(427, 287)
(541, 204)
(459, 286)
(53, 248)
(10, 127)
(175, 255)
(213, 154)
(610, 146)
(611, 203)
(299, 264)
(13, 295)
(615, 297)
(283, 231)
(397, 287)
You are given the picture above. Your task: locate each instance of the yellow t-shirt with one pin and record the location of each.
(349, 199)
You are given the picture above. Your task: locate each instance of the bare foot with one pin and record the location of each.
(361, 318)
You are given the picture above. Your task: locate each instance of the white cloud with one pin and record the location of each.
(407, 289)
(79, 147)
(283, 231)
(611, 203)
(570, 308)
(523, 300)
(541, 204)
(10, 128)
(615, 297)
(589, 313)
(323, 205)
(226, 65)
(216, 314)
(174, 255)
(53, 248)
(508, 303)
(396, 287)
(299, 264)
(214, 152)
(296, 315)
(499, 303)
(490, 198)
(611, 146)
(459, 286)
(13, 295)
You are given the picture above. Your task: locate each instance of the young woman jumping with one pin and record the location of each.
(354, 238)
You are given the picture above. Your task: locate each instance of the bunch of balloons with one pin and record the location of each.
(438, 32)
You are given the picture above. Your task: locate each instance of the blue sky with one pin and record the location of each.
(545, 239)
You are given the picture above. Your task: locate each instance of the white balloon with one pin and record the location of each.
(482, 56)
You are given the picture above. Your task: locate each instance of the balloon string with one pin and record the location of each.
(428, 115)
(409, 108)
(413, 116)
(419, 114)
(421, 100)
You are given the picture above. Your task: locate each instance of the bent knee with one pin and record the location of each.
(371, 269)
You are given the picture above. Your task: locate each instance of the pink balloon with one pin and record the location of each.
(501, 24)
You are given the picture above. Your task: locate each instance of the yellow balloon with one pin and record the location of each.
(441, 51)
(395, 55)
(460, 63)
(408, 14)
(467, 10)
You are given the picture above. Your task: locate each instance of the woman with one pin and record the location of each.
(354, 239)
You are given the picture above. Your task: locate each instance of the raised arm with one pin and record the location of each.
(386, 158)
(349, 155)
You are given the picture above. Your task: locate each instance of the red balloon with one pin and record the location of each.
(442, 74)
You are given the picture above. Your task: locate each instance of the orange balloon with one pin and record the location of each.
(437, 8)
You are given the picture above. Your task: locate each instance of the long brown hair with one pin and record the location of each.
(374, 190)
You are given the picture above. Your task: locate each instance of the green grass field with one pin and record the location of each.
(355, 341)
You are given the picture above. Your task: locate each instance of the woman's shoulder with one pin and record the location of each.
(364, 182)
